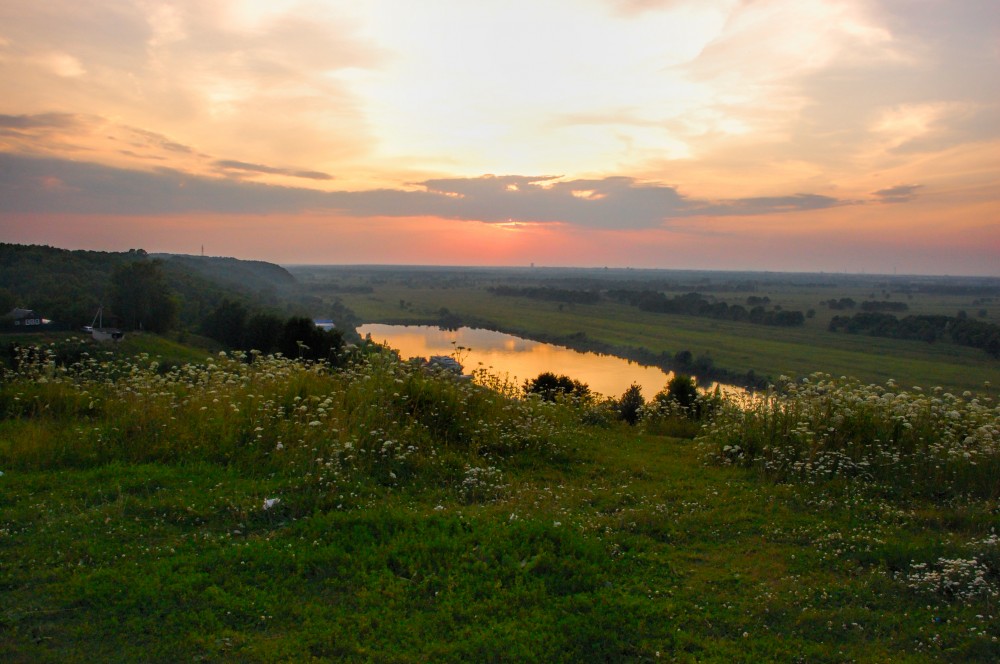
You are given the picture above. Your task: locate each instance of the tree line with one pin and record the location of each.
(548, 293)
(695, 304)
(139, 292)
(930, 328)
(680, 399)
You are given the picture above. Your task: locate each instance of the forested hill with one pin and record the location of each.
(68, 286)
(250, 276)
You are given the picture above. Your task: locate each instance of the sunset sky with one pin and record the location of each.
(801, 135)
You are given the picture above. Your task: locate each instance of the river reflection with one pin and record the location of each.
(520, 359)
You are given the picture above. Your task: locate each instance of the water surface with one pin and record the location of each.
(520, 359)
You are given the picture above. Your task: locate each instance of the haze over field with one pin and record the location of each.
(860, 135)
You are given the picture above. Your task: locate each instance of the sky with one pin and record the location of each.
(781, 135)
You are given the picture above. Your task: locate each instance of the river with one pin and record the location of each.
(520, 359)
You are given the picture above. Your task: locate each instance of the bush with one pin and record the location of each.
(630, 405)
(550, 386)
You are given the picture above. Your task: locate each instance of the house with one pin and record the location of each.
(324, 324)
(25, 318)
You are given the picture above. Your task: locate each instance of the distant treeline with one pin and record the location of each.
(884, 305)
(953, 289)
(841, 304)
(695, 304)
(867, 305)
(960, 330)
(548, 293)
(363, 289)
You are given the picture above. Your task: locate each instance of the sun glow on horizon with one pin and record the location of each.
(650, 133)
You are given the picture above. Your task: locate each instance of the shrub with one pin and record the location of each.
(550, 386)
(630, 405)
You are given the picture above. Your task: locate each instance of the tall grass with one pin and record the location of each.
(909, 442)
(376, 420)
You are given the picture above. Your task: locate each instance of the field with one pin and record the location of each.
(276, 511)
(394, 295)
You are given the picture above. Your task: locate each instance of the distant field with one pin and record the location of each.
(738, 346)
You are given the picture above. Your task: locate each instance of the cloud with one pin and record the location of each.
(27, 122)
(26, 186)
(229, 166)
(631, 7)
(48, 132)
(772, 205)
(951, 125)
(160, 141)
(898, 194)
(614, 202)
(41, 133)
(611, 202)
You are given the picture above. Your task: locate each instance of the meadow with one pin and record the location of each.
(257, 508)
(396, 296)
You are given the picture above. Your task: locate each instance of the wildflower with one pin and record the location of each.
(271, 502)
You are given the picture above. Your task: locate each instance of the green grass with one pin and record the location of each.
(766, 350)
(426, 519)
(183, 348)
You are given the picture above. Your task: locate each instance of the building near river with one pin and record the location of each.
(25, 319)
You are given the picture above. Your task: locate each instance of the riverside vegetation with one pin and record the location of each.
(253, 507)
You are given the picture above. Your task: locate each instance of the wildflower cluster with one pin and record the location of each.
(482, 484)
(963, 579)
(820, 429)
(380, 418)
(681, 409)
(973, 574)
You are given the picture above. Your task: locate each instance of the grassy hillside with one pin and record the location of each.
(273, 510)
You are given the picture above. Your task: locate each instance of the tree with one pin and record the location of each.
(7, 301)
(683, 359)
(263, 333)
(302, 339)
(141, 298)
(630, 404)
(703, 365)
(684, 392)
(226, 324)
(549, 386)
